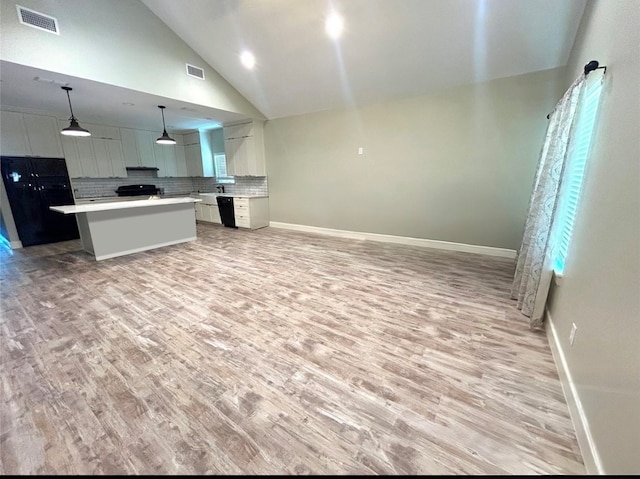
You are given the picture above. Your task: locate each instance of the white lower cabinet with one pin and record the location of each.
(198, 207)
(251, 213)
(207, 210)
(211, 214)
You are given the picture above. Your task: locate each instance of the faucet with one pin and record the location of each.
(220, 188)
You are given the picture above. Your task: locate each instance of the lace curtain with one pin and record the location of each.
(534, 268)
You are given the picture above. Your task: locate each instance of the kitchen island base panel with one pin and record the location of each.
(110, 233)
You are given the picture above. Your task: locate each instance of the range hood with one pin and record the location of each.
(142, 168)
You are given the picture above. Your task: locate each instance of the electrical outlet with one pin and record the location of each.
(360, 151)
(572, 334)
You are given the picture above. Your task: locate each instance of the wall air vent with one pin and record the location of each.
(37, 20)
(195, 72)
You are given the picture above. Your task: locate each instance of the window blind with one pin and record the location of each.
(575, 170)
(220, 164)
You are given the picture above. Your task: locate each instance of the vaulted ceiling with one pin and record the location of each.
(389, 48)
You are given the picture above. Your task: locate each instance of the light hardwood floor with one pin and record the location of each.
(274, 352)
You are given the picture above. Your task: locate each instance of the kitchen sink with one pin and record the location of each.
(209, 198)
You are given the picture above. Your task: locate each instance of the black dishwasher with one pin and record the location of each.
(225, 207)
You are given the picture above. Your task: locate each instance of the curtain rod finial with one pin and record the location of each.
(592, 65)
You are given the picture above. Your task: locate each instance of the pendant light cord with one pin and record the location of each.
(70, 107)
(163, 125)
(165, 139)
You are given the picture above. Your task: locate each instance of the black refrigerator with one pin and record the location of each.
(33, 185)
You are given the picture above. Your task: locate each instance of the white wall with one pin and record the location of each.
(600, 291)
(7, 217)
(118, 42)
(457, 166)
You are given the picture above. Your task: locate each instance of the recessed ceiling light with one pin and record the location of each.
(128, 103)
(247, 59)
(334, 25)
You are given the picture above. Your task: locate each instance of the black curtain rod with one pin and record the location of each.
(593, 65)
(588, 68)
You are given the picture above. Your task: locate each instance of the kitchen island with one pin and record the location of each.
(117, 228)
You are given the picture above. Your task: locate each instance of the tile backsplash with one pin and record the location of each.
(248, 185)
(105, 187)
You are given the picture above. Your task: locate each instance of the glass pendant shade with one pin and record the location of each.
(165, 139)
(74, 128)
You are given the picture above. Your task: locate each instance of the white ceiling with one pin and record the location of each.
(30, 89)
(390, 48)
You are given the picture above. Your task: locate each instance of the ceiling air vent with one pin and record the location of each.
(38, 20)
(195, 72)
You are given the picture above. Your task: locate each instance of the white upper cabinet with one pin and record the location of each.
(109, 158)
(44, 135)
(102, 157)
(197, 163)
(244, 149)
(242, 130)
(192, 139)
(181, 161)
(140, 149)
(72, 156)
(145, 142)
(80, 158)
(102, 132)
(87, 157)
(94, 157)
(129, 147)
(166, 160)
(105, 154)
(193, 160)
(13, 134)
(170, 161)
(26, 134)
(159, 152)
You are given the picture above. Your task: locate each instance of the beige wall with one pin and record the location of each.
(457, 166)
(119, 42)
(600, 292)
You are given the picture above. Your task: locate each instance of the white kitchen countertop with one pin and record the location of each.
(231, 195)
(117, 205)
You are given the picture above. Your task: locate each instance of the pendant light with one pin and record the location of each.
(74, 129)
(165, 139)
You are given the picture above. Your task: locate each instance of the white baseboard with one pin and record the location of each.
(467, 248)
(17, 244)
(587, 445)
